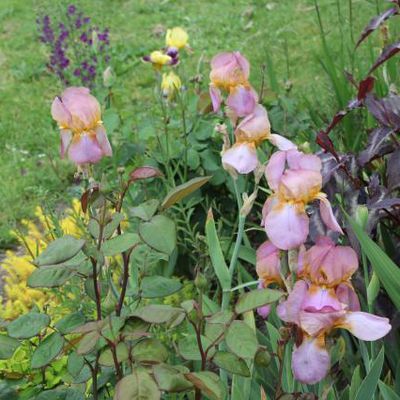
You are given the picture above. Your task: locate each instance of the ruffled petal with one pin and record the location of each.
(242, 157)
(65, 141)
(321, 300)
(365, 326)
(298, 160)
(316, 323)
(268, 263)
(229, 69)
(301, 184)
(267, 207)
(346, 295)
(242, 100)
(84, 150)
(255, 127)
(339, 264)
(103, 141)
(243, 63)
(286, 226)
(83, 107)
(289, 310)
(274, 169)
(216, 99)
(281, 142)
(60, 113)
(327, 216)
(310, 361)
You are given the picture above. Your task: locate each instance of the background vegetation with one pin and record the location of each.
(305, 46)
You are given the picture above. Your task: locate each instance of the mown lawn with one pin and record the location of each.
(284, 35)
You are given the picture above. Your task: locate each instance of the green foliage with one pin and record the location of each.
(59, 251)
(137, 386)
(159, 233)
(28, 325)
(146, 306)
(47, 350)
(386, 270)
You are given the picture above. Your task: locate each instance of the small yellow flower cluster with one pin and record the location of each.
(176, 39)
(17, 265)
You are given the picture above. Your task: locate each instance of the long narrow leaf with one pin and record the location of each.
(217, 257)
(387, 392)
(369, 384)
(386, 270)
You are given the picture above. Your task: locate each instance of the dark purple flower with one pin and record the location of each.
(92, 70)
(86, 20)
(71, 9)
(172, 52)
(84, 37)
(77, 72)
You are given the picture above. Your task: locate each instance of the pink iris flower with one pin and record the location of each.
(249, 134)
(268, 270)
(324, 299)
(296, 180)
(230, 73)
(83, 137)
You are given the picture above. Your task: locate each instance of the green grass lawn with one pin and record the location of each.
(284, 35)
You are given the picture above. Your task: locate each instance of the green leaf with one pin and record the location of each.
(387, 392)
(49, 276)
(150, 351)
(70, 322)
(111, 227)
(241, 340)
(8, 345)
(189, 349)
(157, 313)
(216, 255)
(220, 317)
(146, 210)
(181, 191)
(112, 326)
(256, 298)
(135, 328)
(75, 364)
(171, 379)
(106, 357)
(78, 369)
(137, 386)
(388, 272)
(159, 234)
(120, 243)
(60, 250)
(368, 385)
(231, 363)
(209, 384)
(28, 325)
(88, 342)
(158, 286)
(47, 350)
(61, 394)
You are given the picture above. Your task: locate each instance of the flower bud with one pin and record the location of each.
(373, 289)
(108, 77)
(262, 358)
(362, 215)
(248, 202)
(200, 281)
